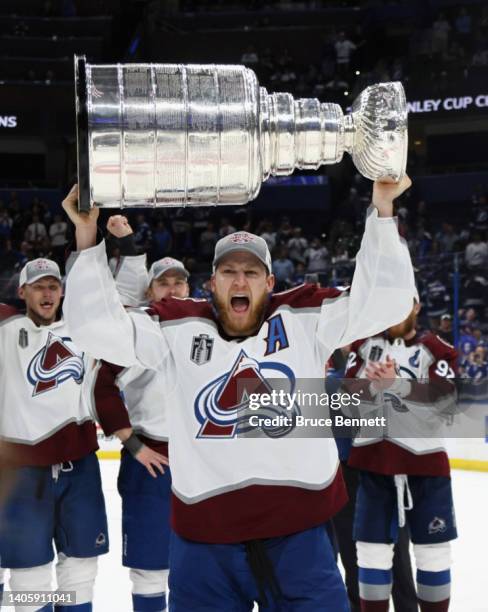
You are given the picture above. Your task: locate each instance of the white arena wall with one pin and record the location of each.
(464, 453)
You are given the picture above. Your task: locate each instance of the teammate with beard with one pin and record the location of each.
(403, 593)
(247, 512)
(48, 444)
(143, 483)
(405, 474)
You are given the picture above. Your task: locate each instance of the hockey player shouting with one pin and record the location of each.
(247, 512)
(47, 451)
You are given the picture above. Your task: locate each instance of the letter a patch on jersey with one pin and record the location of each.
(55, 363)
(276, 340)
(414, 359)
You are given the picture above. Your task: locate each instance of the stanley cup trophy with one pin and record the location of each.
(197, 135)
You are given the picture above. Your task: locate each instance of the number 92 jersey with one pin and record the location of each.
(415, 411)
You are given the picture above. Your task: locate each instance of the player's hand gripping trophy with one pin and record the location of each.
(176, 135)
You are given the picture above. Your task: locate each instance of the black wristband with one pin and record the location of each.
(127, 246)
(133, 444)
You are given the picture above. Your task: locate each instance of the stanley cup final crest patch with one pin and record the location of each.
(201, 349)
(23, 338)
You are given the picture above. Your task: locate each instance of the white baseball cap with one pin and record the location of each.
(243, 241)
(39, 268)
(164, 265)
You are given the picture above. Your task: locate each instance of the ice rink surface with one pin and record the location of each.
(470, 550)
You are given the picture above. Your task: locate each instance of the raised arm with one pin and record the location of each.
(131, 276)
(93, 310)
(85, 224)
(383, 287)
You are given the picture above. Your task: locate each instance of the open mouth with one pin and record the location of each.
(239, 303)
(47, 305)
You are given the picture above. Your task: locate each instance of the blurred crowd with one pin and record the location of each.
(27, 233)
(451, 256)
(446, 255)
(451, 43)
(429, 45)
(60, 8)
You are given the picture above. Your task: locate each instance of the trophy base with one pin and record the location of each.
(82, 135)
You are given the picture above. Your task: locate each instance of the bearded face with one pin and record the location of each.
(240, 287)
(237, 322)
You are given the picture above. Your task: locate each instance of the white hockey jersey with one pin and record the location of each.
(415, 413)
(44, 417)
(132, 280)
(131, 397)
(229, 488)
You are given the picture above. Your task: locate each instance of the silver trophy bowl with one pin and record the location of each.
(197, 135)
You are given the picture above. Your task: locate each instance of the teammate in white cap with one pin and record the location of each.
(48, 450)
(248, 512)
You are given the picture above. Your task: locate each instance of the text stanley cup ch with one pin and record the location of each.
(197, 135)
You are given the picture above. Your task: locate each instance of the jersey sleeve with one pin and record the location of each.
(98, 322)
(439, 388)
(109, 407)
(381, 292)
(7, 311)
(131, 279)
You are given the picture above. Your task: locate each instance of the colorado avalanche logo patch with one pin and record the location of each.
(55, 363)
(241, 238)
(222, 406)
(437, 525)
(168, 261)
(394, 402)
